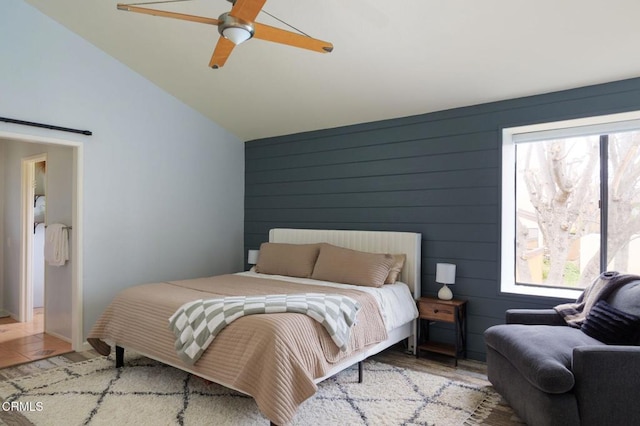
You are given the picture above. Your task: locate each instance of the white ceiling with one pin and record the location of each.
(391, 59)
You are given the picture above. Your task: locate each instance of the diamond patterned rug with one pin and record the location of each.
(146, 392)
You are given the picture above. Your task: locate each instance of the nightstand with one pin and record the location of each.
(452, 311)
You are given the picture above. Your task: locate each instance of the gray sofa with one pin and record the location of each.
(552, 374)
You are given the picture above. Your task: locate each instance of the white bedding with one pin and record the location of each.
(395, 300)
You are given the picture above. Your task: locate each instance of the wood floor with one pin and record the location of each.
(22, 342)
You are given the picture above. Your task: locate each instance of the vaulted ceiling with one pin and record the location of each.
(391, 59)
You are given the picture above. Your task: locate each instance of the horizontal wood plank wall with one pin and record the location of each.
(437, 174)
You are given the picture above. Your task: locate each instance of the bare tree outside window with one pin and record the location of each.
(624, 202)
(558, 231)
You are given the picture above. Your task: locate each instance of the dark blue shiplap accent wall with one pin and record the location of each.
(437, 174)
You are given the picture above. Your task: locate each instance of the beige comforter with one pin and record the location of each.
(273, 357)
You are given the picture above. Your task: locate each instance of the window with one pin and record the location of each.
(570, 203)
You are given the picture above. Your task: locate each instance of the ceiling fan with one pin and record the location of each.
(238, 26)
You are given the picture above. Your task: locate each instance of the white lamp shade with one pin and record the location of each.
(236, 35)
(446, 273)
(252, 257)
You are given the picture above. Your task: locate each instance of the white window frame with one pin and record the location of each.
(536, 132)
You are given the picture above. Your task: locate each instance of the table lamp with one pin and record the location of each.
(445, 274)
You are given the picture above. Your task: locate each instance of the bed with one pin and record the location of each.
(279, 358)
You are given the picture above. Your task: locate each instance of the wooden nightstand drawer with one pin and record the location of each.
(437, 311)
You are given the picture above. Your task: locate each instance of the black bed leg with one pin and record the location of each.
(360, 369)
(119, 356)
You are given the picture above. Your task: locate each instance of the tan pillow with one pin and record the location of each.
(292, 260)
(347, 266)
(396, 268)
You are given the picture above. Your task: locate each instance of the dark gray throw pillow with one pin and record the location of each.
(611, 325)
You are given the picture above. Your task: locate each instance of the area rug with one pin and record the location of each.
(145, 392)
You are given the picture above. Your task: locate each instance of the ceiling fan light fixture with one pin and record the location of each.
(236, 35)
(234, 29)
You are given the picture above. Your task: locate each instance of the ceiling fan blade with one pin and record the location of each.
(277, 35)
(164, 13)
(221, 53)
(247, 10)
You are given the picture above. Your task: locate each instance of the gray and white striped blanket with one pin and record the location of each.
(601, 288)
(195, 324)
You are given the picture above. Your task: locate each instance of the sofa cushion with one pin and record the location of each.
(610, 325)
(541, 353)
(627, 299)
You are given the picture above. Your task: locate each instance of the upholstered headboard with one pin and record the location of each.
(409, 243)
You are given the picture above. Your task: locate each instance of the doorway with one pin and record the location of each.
(65, 300)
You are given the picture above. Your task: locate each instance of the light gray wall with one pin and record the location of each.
(163, 186)
(11, 170)
(58, 289)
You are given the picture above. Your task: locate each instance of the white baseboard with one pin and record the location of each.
(58, 336)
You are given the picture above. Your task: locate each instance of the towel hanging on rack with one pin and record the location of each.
(56, 244)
